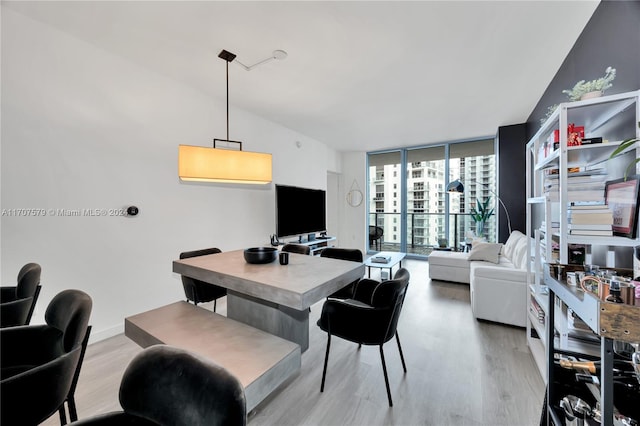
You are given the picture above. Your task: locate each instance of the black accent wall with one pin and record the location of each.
(511, 177)
(610, 38)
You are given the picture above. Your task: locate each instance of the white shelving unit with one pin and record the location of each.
(614, 118)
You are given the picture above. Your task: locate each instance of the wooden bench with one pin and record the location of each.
(261, 361)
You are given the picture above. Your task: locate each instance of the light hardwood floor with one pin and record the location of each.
(460, 371)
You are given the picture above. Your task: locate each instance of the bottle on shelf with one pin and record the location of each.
(614, 293)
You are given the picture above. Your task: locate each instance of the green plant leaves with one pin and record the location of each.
(481, 212)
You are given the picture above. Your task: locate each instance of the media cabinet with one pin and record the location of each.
(318, 244)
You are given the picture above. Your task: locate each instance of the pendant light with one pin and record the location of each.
(204, 164)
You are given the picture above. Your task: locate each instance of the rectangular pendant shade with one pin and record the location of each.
(203, 164)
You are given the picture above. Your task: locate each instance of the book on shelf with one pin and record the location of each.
(596, 206)
(537, 311)
(595, 196)
(576, 179)
(578, 171)
(584, 141)
(575, 186)
(554, 225)
(589, 227)
(591, 232)
(586, 217)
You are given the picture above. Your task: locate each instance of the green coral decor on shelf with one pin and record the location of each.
(480, 214)
(598, 86)
(624, 145)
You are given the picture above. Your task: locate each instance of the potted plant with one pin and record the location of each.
(591, 89)
(480, 214)
(627, 143)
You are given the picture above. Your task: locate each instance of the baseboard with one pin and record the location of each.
(105, 334)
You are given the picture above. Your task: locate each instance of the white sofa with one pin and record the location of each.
(498, 290)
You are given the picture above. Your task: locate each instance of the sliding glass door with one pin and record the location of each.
(410, 210)
(425, 208)
(385, 201)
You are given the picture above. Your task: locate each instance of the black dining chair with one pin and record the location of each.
(370, 318)
(18, 302)
(168, 386)
(353, 255)
(71, 400)
(375, 237)
(296, 248)
(39, 362)
(199, 291)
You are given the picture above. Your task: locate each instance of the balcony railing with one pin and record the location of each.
(424, 230)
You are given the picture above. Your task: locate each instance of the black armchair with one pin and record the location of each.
(39, 362)
(199, 291)
(375, 236)
(370, 318)
(18, 302)
(296, 248)
(164, 385)
(353, 255)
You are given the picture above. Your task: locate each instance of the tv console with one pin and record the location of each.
(317, 245)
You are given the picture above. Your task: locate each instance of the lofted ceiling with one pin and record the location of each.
(359, 76)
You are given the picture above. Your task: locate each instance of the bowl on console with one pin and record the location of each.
(260, 254)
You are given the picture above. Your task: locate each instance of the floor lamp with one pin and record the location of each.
(456, 187)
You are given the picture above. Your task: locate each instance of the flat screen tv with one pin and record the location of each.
(299, 210)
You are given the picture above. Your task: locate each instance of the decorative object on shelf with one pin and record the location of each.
(622, 198)
(223, 163)
(354, 196)
(456, 187)
(443, 242)
(585, 90)
(575, 135)
(550, 110)
(260, 255)
(591, 89)
(624, 145)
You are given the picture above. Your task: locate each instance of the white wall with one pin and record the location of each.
(353, 232)
(83, 129)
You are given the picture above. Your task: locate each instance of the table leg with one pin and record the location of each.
(282, 321)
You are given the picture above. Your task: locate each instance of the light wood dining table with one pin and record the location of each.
(272, 297)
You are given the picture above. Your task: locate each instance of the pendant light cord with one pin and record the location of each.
(227, 99)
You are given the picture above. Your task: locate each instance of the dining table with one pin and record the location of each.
(272, 297)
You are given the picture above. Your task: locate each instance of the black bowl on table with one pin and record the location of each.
(260, 254)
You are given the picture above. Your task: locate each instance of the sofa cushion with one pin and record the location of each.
(519, 258)
(511, 243)
(449, 258)
(489, 252)
(503, 271)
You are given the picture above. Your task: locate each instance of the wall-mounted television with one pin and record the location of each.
(300, 210)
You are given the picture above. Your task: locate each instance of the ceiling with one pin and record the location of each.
(359, 76)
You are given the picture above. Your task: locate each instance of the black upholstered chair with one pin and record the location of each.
(70, 400)
(370, 318)
(39, 362)
(167, 386)
(199, 291)
(18, 302)
(296, 248)
(353, 255)
(375, 236)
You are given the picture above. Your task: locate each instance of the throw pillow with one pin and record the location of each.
(488, 252)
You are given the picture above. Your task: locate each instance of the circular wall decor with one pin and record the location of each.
(354, 197)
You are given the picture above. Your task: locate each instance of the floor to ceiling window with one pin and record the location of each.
(409, 208)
